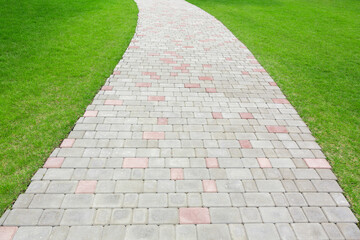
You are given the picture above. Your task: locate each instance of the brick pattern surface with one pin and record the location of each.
(189, 138)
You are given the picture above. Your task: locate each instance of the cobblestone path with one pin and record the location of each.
(190, 138)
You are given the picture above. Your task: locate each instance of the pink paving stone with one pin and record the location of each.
(254, 62)
(133, 47)
(245, 73)
(173, 74)
(206, 78)
(162, 121)
(209, 186)
(259, 70)
(135, 162)
(211, 163)
(194, 216)
(228, 59)
(317, 163)
(185, 65)
(107, 88)
(264, 162)
(90, 113)
(250, 57)
(113, 102)
(154, 135)
(280, 100)
(276, 129)
(210, 90)
(86, 186)
(245, 144)
(116, 73)
(217, 115)
(67, 143)
(144, 84)
(176, 174)
(192, 85)
(206, 65)
(156, 98)
(246, 115)
(272, 84)
(53, 162)
(7, 233)
(149, 73)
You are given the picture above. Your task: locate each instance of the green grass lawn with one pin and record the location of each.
(312, 50)
(54, 57)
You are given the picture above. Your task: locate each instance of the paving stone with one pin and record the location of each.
(121, 216)
(59, 233)
(339, 214)
(258, 199)
(349, 230)
(108, 200)
(85, 233)
(225, 215)
(213, 231)
(250, 215)
(163, 216)
(78, 201)
(153, 200)
(261, 231)
(32, 233)
(23, 217)
(275, 214)
(74, 217)
(51, 217)
(309, 231)
(135, 232)
(113, 232)
(186, 232)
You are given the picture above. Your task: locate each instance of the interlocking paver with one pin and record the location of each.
(189, 138)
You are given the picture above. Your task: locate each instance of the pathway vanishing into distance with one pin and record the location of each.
(190, 138)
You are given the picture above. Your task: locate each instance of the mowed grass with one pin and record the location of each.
(312, 50)
(54, 57)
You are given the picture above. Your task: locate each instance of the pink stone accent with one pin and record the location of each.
(245, 73)
(254, 62)
(135, 163)
(276, 129)
(7, 233)
(176, 174)
(210, 90)
(116, 73)
(53, 162)
(86, 186)
(211, 163)
(144, 84)
(90, 113)
(206, 65)
(209, 186)
(149, 73)
(245, 144)
(154, 135)
(188, 47)
(113, 102)
(280, 100)
(185, 65)
(206, 78)
(229, 59)
(156, 98)
(317, 163)
(194, 216)
(217, 115)
(246, 115)
(250, 57)
(264, 162)
(192, 85)
(67, 143)
(162, 121)
(107, 88)
(174, 74)
(272, 84)
(133, 47)
(259, 70)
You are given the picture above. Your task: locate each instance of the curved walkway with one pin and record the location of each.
(190, 138)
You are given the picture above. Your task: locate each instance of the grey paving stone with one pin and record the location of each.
(46, 201)
(113, 232)
(136, 232)
(349, 230)
(229, 186)
(59, 233)
(23, 201)
(275, 215)
(32, 233)
(85, 233)
(62, 187)
(186, 232)
(216, 199)
(258, 199)
(250, 215)
(78, 201)
(108, 200)
(73, 217)
(129, 186)
(237, 231)
(269, 186)
(51, 217)
(189, 186)
(309, 231)
(167, 232)
(225, 215)
(213, 231)
(121, 216)
(153, 200)
(339, 214)
(285, 231)
(23, 217)
(163, 216)
(332, 231)
(261, 231)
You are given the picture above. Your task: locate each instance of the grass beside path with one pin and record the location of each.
(311, 49)
(55, 55)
